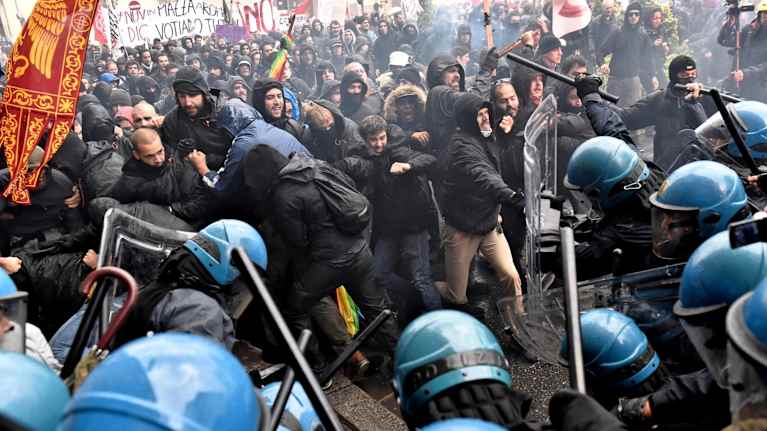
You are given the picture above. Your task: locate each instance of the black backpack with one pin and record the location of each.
(349, 208)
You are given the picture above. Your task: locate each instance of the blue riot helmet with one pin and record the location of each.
(747, 353)
(462, 424)
(33, 396)
(696, 201)
(439, 352)
(750, 119)
(13, 315)
(714, 277)
(607, 170)
(214, 245)
(299, 415)
(617, 355)
(167, 381)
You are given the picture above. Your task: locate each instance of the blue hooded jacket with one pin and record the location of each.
(249, 129)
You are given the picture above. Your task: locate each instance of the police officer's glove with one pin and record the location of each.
(588, 85)
(630, 411)
(490, 61)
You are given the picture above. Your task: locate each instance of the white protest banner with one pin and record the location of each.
(140, 21)
(263, 16)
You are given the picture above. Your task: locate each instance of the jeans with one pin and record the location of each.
(320, 279)
(412, 251)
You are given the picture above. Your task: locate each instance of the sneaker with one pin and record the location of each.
(358, 366)
(326, 385)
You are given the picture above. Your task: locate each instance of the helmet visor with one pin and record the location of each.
(713, 133)
(13, 319)
(674, 232)
(711, 345)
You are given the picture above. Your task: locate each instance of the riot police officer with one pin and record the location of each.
(714, 277)
(449, 365)
(167, 381)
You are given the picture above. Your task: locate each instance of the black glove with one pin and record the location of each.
(490, 61)
(587, 85)
(630, 411)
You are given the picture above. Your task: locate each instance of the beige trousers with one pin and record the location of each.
(460, 249)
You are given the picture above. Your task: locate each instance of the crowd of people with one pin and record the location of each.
(389, 159)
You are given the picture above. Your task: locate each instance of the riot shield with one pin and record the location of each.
(540, 158)
(136, 246)
(537, 322)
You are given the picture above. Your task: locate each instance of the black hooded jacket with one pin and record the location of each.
(202, 130)
(440, 103)
(357, 106)
(260, 88)
(473, 190)
(297, 209)
(344, 140)
(402, 204)
(632, 52)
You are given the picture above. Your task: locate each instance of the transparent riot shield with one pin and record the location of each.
(540, 158)
(136, 246)
(537, 322)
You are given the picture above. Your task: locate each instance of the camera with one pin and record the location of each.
(748, 232)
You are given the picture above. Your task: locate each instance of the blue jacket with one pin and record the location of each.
(249, 129)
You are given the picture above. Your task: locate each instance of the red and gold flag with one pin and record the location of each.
(44, 73)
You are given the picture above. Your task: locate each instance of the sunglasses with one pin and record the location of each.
(633, 14)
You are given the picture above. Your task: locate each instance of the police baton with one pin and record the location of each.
(572, 312)
(556, 75)
(739, 142)
(707, 91)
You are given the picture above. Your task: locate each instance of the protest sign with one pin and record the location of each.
(141, 21)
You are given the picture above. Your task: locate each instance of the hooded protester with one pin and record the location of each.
(331, 91)
(349, 39)
(444, 79)
(409, 36)
(385, 44)
(333, 135)
(332, 257)
(406, 107)
(216, 71)
(476, 191)
(323, 71)
(148, 89)
(530, 86)
(355, 104)
(194, 119)
(463, 37)
(306, 68)
(631, 66)
(239, 88)
(249, 130)
(337, 56)
(269, 101)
